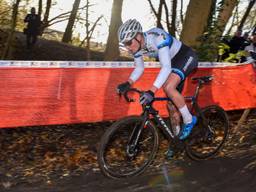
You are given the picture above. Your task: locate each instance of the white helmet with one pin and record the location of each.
(128, 30)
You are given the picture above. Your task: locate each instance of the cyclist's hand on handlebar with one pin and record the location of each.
(147, 97)
(123, 87)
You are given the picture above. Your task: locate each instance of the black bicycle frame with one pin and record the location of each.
(149, 110)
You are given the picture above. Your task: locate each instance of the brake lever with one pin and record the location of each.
(127, 99)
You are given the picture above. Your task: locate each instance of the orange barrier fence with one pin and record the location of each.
(44, 96)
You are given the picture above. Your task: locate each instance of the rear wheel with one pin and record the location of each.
(206, 140)
(116, 158)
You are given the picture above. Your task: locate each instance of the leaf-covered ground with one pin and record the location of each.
(49, 154)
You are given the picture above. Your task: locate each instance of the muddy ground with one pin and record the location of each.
(62, 158)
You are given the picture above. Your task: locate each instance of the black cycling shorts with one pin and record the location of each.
(183, 63)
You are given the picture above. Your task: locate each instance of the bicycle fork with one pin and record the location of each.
(132, 145)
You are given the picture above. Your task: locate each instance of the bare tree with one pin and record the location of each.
(225, 13)
(171, 26)
(40, 7)
(233, 20)
(212, 16)
(181, 12)
(174, 10)
(168, 25)
(89, 30)
(57, 19)
(250, 5)
(158, 14)
(69, 29)
(112, 47)
(11, 33)
(47, 11)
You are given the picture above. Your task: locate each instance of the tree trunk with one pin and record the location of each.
(87, 32)
(251, 3)
(40, 7)
(181, 12)
(168, 24)
(68, 31)
(12, 30)
(112, 48)
(225, 13)
(174, 10)
(195, 21)
(158, 14)
(233, 20)
(211, 18)
(47, 12)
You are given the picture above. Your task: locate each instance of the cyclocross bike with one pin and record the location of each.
(130, 144)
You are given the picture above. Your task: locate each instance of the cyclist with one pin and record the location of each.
(176, 59)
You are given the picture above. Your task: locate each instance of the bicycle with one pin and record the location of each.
(130, 144)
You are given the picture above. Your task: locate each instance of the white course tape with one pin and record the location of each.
(96, 64)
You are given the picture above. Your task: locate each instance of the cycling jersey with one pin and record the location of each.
(170, 52)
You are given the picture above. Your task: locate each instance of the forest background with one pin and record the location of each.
(93, 24)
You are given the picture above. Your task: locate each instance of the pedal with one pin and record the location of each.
(176, 147)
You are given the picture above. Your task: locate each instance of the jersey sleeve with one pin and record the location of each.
(163, 43)
(139, 68)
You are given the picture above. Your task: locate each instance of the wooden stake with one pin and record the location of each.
(242, 118)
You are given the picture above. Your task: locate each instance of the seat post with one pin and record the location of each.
(199, 84)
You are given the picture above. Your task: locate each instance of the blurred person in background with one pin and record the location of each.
(32, 30)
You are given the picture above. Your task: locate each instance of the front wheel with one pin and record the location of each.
(118, 157)
(208, 136)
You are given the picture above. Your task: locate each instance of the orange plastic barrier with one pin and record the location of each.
(40, 96)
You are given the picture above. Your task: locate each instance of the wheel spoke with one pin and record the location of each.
(117, 158)
(208, 141)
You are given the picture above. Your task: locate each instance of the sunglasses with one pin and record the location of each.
(128, 43)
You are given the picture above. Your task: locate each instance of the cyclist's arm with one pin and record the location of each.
(139, 69)
(165, 62)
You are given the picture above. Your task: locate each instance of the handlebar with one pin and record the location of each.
(200, 80)
(127, 98)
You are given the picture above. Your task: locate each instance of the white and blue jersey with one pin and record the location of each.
(173, 56)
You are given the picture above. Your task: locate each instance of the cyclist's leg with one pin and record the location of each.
(174, 114)
(170, 89)
(182, 65)
(174, 117)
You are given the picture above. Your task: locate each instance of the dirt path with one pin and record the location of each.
(63, 159)
(221, 174)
